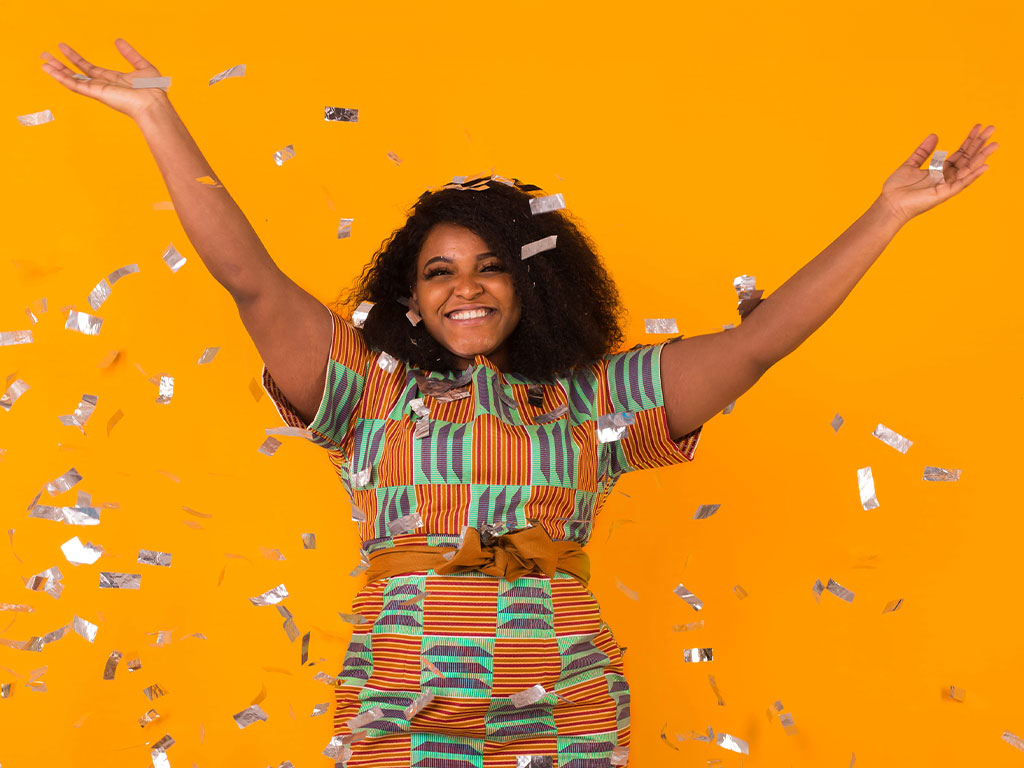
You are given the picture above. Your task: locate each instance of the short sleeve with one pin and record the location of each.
(343, 387)
(631, 382)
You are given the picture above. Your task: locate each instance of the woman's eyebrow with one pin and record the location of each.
(449, 258)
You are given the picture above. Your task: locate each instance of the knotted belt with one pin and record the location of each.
(512, 555)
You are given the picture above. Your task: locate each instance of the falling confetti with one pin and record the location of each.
(538, 246)
(689, 597)
(83, 323)
(837, 422)
(270, 597)
(661, 325)
(236, 71)
(173, 259)
(341, 114)
(36, 118)
(866, 483)
(546, 204)
(284, 155)
(705, 511)
(894, 439)
(250, 715)
(893, 605)
(694, 655)
(937, 474)
(839, 591)
(208, 354)
(11, 338)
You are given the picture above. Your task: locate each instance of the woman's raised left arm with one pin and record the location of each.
(701, 375)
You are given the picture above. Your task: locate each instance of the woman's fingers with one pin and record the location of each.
(133, 57)
(88, 68)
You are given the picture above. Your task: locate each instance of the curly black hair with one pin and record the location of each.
(571, 311)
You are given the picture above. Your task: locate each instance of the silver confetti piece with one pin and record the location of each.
(1013, 740)
(337, 750)
(417, 706)
(689, 597)
(957, 694)
(164, 744)
(661, 325)
(694, 655)
(706, 510)
(555, 415)
(728, 409)
(289, 432)
(10, 338)
(319, 709)
(208, 354)
(364, 718)
(109, 580)
(83, 323)
(78, 553)
(152, 82)
(419, 407)
(290, 629)
(166, 389)
(688, 627)
(16, 390)
(250, 715)
(935, 167)
(745, 286)
(534, 761)
(345, 228)
(150, 717)
(422, 429)
(613, 426)
(714, 688)
(269, 446)
(361, 478)
(387, 363)
(546, 203)
(394, 158)
(839, 591)
(937, 474)
(154, 691)
(837, 422)
(64, 482)
(85, 628)
(173, 259)
(151, 557)
(413, 317)
(620, 755)
(818, 589)
(361, 312)
(323, 677)
(82, 413)
(893, 605)
(99, 294)
(36, 118)
(342, 115)
(866, 483)
(352, 618)
(538, 246)
(309, 541)
(732, 743)
(531, 695)
(236, 71)
(405, 524)
(896, 440)
(271, 596)
(627, 591)
(740, 591)
(111, 667)
(159, 759)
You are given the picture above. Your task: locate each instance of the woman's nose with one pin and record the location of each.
(468, 286)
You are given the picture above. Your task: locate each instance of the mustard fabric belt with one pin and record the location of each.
(512, 555)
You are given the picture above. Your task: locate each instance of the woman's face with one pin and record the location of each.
(457, 274)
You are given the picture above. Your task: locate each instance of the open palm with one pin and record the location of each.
(107, 86)
(912, 190)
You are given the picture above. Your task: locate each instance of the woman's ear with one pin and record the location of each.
(413, 304)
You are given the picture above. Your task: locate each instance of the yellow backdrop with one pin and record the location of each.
(696, 142)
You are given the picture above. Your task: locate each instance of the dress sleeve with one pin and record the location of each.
(631, 381)
(343, 387)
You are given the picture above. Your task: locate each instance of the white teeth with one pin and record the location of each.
(468, 314)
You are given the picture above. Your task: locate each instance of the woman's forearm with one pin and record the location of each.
(780, 323)
(215, 225)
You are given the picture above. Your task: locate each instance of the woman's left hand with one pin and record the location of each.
(911, 189)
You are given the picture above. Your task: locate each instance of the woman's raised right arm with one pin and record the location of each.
(291, 328)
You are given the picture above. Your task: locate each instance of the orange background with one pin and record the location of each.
(696, 143)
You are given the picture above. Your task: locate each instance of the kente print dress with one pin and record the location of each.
(513, 451)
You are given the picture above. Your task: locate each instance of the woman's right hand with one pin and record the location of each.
(107, 85)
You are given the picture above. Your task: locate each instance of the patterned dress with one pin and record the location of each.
(515, 451)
